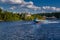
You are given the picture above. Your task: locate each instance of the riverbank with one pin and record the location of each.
(1, 20)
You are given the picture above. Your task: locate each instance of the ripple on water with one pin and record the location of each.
(29, 31)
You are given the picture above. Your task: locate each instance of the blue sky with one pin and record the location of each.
(33, 6)
(46, 2)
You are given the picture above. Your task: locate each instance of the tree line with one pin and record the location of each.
(56, 14)
(10, 16)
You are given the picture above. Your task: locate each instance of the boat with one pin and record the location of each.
(38, 21)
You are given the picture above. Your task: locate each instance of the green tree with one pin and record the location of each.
(1, 14)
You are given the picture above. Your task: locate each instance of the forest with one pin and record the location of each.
(10, 16)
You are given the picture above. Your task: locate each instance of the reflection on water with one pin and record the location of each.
(28, 30)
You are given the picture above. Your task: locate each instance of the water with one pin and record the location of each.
(28, 30)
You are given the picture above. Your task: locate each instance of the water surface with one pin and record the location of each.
(28, 30)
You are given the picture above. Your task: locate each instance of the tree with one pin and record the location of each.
(0, 14)
(0, 10)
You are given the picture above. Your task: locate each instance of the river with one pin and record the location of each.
(28, 30)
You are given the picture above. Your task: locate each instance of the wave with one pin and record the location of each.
(49, 21)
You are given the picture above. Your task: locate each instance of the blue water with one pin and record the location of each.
(28, 30)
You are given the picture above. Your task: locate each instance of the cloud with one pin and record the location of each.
(33, 7)
(31, 2)
(13, 1)
(28, 5)
(13, 7)
(3, 0)
(46, 7)
(54, 8)
(57, 9)
(22, 3)
(16, 2)
(1, 7)
(51, 8)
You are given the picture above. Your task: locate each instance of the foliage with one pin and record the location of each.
(10, 16)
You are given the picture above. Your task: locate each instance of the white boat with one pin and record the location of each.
(45, 21)
(38, 21)
(42, 21)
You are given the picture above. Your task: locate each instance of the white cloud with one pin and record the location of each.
(13, 7)
(13, 1)
(31, 2)
(57, 9)
(17, 1)
(2, 0)
(1, 7)
(54, 8)
(29, 5)
(33, 7)
(46, 7)
(22, 4)
(51, 8)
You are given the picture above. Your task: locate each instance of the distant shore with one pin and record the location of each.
(1, 20)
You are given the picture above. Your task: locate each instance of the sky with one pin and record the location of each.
(33, 6)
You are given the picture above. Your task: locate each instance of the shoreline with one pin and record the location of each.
(1, 20)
